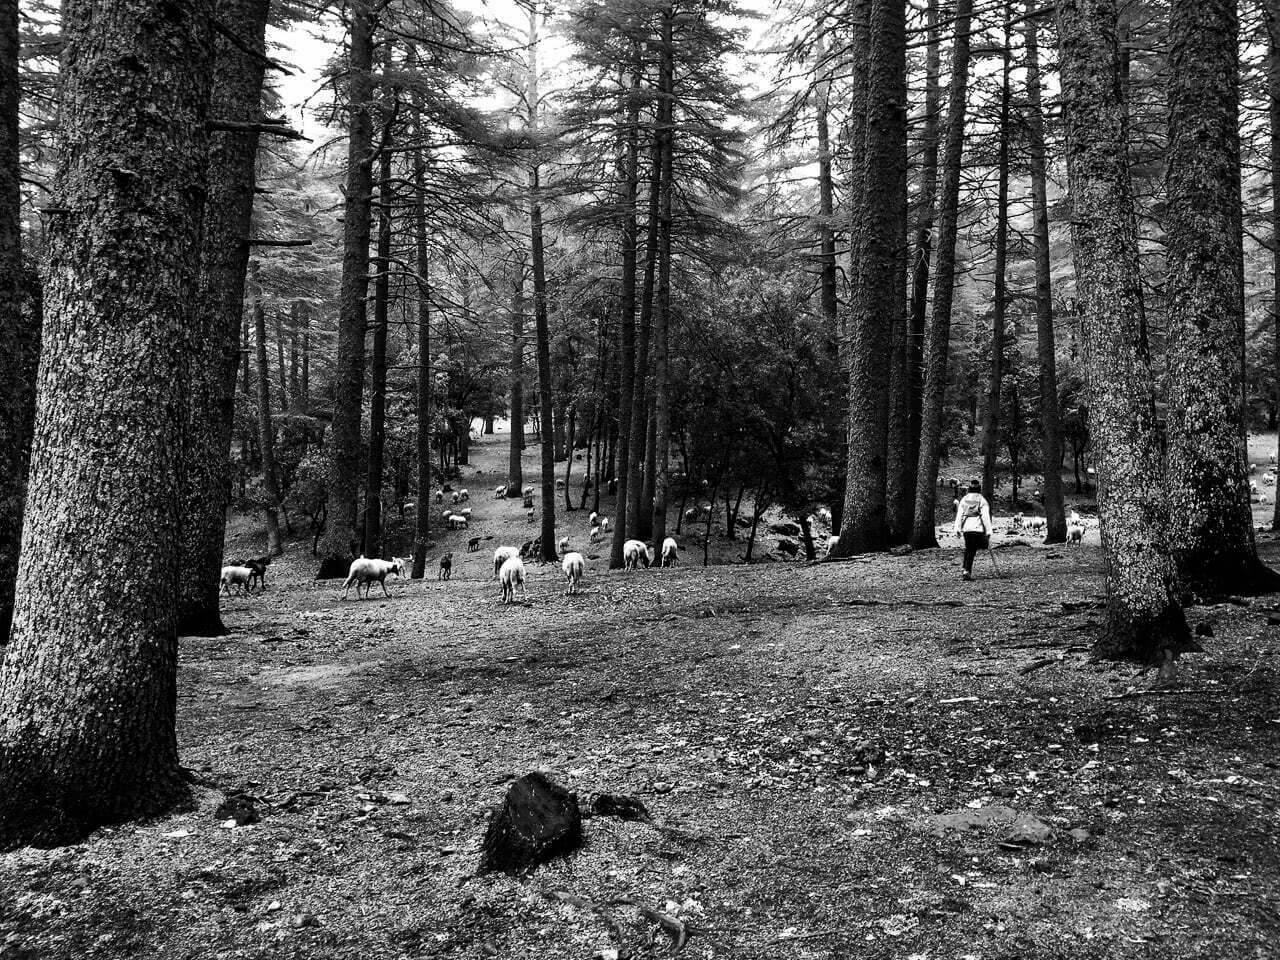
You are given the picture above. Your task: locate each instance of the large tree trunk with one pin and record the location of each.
(19, 328)
(378, 361)
(348, 367)
(515, 474)
(662, 306)
(1211, 529)
(88, 686)
(422, 517)
(826, 203)
(629, 175)
(219, 317)
(1144, 619)
(266, 428)
(1050, 421)
(876, 298)
(1271, 11)
(991, 416)
(938, 342)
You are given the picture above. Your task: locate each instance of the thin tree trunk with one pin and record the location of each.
(629, 174)
(88, 684)
(515, 474)
(571, 415)
(219, 331)
(281, 371)
(876, 297)
(938, 343)
(662, 307)
(991, 418)
(296, 313)
(19, 328)
(1143, 617)
(378, 359)
(826, 203)
(1271, 12)
(1212, 520)
(348, 368)
(1050, 418)
(266, 426)
(422, 516)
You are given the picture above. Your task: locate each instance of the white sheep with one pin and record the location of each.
(634, 552)
(528, 491)
(1036, 524)
(463, 496)
(1074, 518)
(1075, 533)
(466, 512)
(511, 574)
(573, 566)
(595, 534)
(501, 556)
(454, 498)
(236, 575)
(592, 518)
(458, 522)
(562, 547)
(499, 492)
(604, 524)
(364, 572)
(669, 552)
(832, 543)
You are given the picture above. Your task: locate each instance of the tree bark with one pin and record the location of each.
(1212, 521)
(266, 426)
(876, 296)
(218, 320)
(629, 175)
(19, 328)
(348, 367)
(662, 306)
(515, 474)
(991, 418)
(378, 360)
(938, 343)
(1050, 417)
(1144, 619)
(1271, 18)
(88, 685)
(422, 517)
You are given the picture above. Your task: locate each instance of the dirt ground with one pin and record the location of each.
(863, 759)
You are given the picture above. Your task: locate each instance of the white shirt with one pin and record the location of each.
(973, 524)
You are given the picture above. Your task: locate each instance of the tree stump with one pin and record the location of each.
(537, 821)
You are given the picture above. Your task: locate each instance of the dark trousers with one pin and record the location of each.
(973, 542)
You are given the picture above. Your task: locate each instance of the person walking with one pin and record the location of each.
(973, 522)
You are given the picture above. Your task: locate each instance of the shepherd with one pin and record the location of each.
(973, 522)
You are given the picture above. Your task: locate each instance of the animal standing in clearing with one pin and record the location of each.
(501, 556)
(574, 566)
(446, 567)
(365, 572)
(241, 576)
(634, 553)
(670, 551)
(512, 575)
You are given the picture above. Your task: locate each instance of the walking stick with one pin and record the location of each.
(992, 554)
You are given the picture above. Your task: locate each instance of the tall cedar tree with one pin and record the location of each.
(1046, 346)
(1211, 518)
(81, 747)
(991, 416)
(266, 426)
(662, 304)
(216, 337)
(1144, 618)
(879, 261)
(938, 340)
(1271, 11)
(19, 331)
(348, 368)
(422, 515)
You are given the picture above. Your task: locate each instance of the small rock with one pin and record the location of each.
(661, 786)
(305, 920)
(239, 807)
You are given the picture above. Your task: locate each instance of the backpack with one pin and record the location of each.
(971, 506)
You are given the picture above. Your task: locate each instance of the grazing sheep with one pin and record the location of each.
(562, 547)
(559, 483)
(573, 566)
(365, 572)
(501, 556)
(258, 566)
(463, 496)
(1075, 533)
(439, 496)
(604, 524)
(528, 492)
(669, 552)
(237, 575)
(528, 502)
(511, 575)
(446, 567)
(592, 518)
(466, 512)
(634, 553)
(458, 522)
(499, 493)
(1036, 524)
(1074, 519)
(454, 499)
(473, 545)
(595, 534)
(832, 543)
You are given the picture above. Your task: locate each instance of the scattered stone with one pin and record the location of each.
(537, 821)
(238, 807)
(1018, 829)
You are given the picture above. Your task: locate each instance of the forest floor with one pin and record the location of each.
(860, 759)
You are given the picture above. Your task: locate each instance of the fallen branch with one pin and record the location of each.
(272, 242)
(1184, 691)
(270, 127)
(1040, 664)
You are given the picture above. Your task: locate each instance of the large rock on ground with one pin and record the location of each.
(537, 821)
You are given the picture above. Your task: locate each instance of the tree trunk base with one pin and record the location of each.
(205, 622)
(537, 821)
(333, 567)
(1251, 579)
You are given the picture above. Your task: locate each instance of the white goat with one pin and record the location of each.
(573, 566)
(237, 575)
(511, 574)
(592, 518)
(364, 572)
(604, 524)
(501, 556)
(634, 552)
(670, 550)
(463, 496)
(595, 534)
